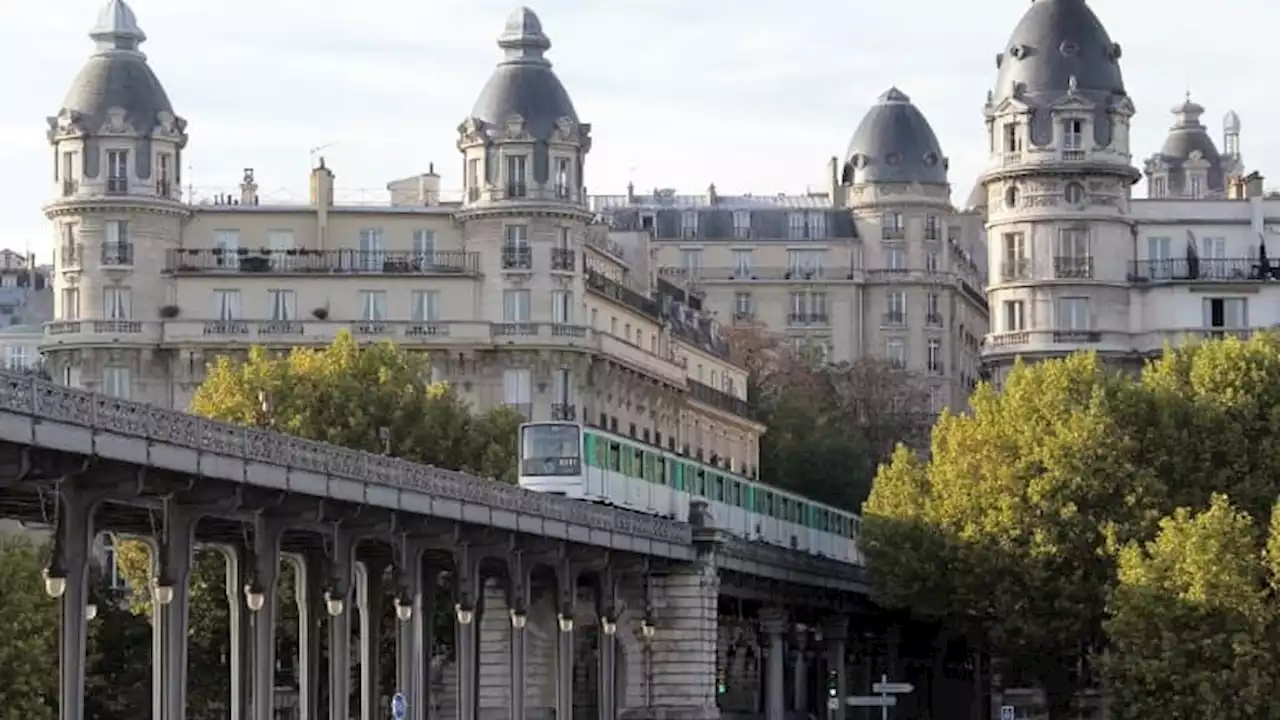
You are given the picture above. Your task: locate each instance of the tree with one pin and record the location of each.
(1004, 528)
(1191, 623)
(118, 656)
(29, 626)
(829, 424)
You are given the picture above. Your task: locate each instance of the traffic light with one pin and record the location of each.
(831, 684)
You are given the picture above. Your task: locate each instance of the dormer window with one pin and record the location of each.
(1073, 134)
(562, 178)
(164, 183)
(1159, 187)
(1012, 141)
(117, 171)
(1196, 187)
(517, 176)
(70, 172)
(473, 179)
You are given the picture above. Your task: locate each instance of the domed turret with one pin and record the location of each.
(524, 106)
(894, 144)
(1189, 164)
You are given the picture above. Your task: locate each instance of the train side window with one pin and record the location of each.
(719, 488)
(615, 457)
(660, 468)
(677, 475)
(640, 473)
(768, 503)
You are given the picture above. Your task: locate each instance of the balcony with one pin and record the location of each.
(517, 190)
(937, 368)
(638, 359)
(562, 259)
(117, 254)
(164, 189)
(761, 274)
(606, 287)
(193, 261)
(894, 319)
(512, 333)
(808, 319)
(564, 412)
(719, 399)
(517, 258)
(99, 332)
(1165, 270)
(1015, 269)
(70, 187)
(1073, 268)
(117, 186)
(933, 319)
(562, 192)
(893, 233)
(1057, 341)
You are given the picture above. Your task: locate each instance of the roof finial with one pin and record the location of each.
(117, 27)
(522, 37)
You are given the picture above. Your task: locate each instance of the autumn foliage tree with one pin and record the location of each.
(1070, 520)
(829, 424)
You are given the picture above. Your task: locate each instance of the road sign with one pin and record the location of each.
(893, 688)
(398, 706)
(880, 701)
(1007, 713)
(833, 703)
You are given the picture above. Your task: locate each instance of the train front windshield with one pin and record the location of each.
(551, 449)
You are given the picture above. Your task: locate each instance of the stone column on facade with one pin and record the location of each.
(835, 630)
(800, 674)
(338, 598)
(369, 599)
(261, 591)
(467, 604)
(518, 600)
(239, 655)
(566, 600)
(68, 575)
(607, 612)
(172, 593)
(309, 577)
(775, 624)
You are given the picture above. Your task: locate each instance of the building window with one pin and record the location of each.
(425, 305)
(742, 263)
(1159, 187)
(742, 224)
(226, 246)
(1012, 139)
(116, 248)
(373, 305)
(895, 308)
(517, 179)
(117, 171)
(517, 389)
(895, 351)
(515, 306)
(933, 315)
(805, 263)
(70, 309)
(284, 305)
(226, 304)
(817, 226)
(1015, 256)
(1071, 257)
(116, 382)
(372, 250)
(1071, 313)
(934, 350)
(115, 303)
(933, 261)
(1230, 313)
(280, 244)
(932, 228)
(424, 248)
(16, 357)
(797, 229)
(473, 179)
(1197, 186)
(1014, 316)
(1074, 194)
(691, 261)
(892, 226)
(516, 253)
(562, 388)
(742, 304)
(562, 307)
(1072, 135)
(689, 223)
(895, 259)
(562, 179)
(164, 186)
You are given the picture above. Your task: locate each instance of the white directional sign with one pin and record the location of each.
(1007, 713)
(880, 701)
(893, 688)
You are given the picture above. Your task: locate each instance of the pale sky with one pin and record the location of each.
(753, 95)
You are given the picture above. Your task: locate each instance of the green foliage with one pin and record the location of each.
(1031, 519)
(828, 425)
(347, 395)
(1191, 620)
(118, 657)
(29, 626)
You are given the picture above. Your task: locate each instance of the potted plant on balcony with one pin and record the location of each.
(168, 312)
(320, 313)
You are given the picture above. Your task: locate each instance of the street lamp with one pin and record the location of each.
(465, 615)
(162, 591)
(90, 612)
(333, 603)
(648, 629)
(518, 619)
(55, 579)
(254, 598)
(608, 626)
(566, 623)
(404, 607)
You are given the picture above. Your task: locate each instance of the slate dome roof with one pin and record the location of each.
(1188, 135)
(523, 83)
(117, 74)
(895, 144)
(1055, 41)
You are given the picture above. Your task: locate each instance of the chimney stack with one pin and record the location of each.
(248, 189)
(321, 186)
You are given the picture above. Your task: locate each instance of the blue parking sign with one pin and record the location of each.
(398, 706)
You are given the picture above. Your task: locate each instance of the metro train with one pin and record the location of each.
(588, 463)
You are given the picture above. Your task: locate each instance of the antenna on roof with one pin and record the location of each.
(316, 150)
